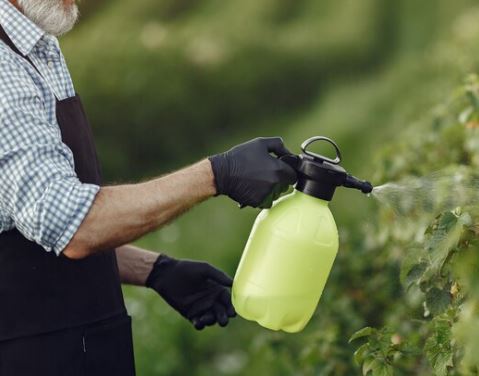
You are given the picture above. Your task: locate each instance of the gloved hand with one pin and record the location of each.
(197, 290)
(250, 175)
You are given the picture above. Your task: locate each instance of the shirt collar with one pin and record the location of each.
(22, 31)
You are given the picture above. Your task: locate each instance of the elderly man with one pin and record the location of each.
(64, 238)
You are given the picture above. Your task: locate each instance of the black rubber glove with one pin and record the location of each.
(197, 290)
(250, 175)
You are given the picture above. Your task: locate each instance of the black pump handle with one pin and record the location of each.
(309, 141)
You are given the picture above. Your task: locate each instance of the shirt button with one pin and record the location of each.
(51, 64)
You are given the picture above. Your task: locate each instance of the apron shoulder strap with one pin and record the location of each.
(6, 39)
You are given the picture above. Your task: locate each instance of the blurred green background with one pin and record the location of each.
(167, 82)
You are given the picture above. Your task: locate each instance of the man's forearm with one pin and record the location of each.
(135, 264)
(122, 214)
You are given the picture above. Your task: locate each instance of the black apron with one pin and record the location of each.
(44, 296)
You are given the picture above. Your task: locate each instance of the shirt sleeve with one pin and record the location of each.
(40, 194)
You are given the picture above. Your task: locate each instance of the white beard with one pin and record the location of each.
(52, 16)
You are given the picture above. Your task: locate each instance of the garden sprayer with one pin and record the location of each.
(292, 246)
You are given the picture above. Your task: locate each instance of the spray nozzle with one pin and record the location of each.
(362, 185)
(319, 176)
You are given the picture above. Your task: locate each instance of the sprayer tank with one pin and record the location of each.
(286, 263)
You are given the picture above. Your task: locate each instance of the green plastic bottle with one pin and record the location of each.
(292, 246)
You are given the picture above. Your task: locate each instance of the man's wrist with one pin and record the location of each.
(135, 264)
(210, 183)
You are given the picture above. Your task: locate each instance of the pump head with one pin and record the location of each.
(319, 176)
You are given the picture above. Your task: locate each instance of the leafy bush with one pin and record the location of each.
(436, 331)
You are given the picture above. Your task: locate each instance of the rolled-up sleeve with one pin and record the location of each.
(40, 194)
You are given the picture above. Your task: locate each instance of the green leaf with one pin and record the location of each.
(414, 275)
(438, 347)
(368, 365)
(383, 369)
(364, 332)
(441, 228)
(410, 272)
(360, 353)
(377, 367)
(444, 235)
(437, 300)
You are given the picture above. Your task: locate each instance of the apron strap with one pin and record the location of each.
(6, 39)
